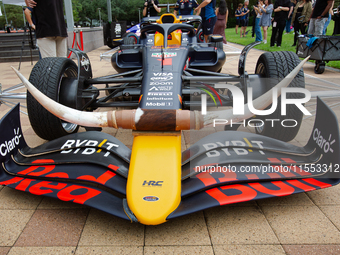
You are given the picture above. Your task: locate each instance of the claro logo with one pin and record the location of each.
(7, 146)
(324, 144)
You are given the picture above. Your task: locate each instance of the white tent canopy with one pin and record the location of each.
(14, 2)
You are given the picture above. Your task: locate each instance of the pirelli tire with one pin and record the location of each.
(130, 38)
(276, 66)
(200, 36)
(47, 76)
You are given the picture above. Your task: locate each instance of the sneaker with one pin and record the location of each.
(264, 41)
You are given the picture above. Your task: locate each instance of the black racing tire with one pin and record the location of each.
(276, 66)
(47, 76)
(319, 67)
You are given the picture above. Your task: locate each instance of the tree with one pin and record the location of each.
(14, 16)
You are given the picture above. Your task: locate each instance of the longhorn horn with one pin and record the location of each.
(88, 119)
(259, 103)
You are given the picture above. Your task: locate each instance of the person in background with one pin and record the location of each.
(257, 21)
(244, 19)
(151, 8)
(319, 16)
(222, 18)
(238, 15)
(289, 20)
(207, 11)
(185, 7)
(51, 28)
(281, 9)
(265, 21)
(253, 14)
(302, 8)
(330, 14)
(336, 18)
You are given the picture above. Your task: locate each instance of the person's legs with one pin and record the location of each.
(311, 28)
(47, 47)
(281, 28)
(61, 46)
(208, 27)
(319, 25)
(272, 39)
(265, 29)
(258, 30)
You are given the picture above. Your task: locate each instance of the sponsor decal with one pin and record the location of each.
(150, 198)
(159, 93)
(324, 144)
(159, 98)
(87, 144)
(156, 104)
(156, 83)
(166, 54)
(218, 148)
(64, 191)
(152, 183)
(161, 88)
(9, 145)
(163, 78)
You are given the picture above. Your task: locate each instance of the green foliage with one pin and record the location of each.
(14, 16)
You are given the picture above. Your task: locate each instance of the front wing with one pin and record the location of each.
(228, 167)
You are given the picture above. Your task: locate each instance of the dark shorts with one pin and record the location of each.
(237, 22)
(208, 26)
(244, 22)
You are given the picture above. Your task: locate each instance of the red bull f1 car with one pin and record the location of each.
(160, 86)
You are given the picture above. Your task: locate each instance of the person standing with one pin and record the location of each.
(222, 18)
(302, 8)
(281, 9)
(207, 10)
(151, 8)
(238, 14)
(185, 7)
(265, 21)
(257, 21)
(319, 16)
(51, 30)
(244, 19)
(336, 18)
(290, 13)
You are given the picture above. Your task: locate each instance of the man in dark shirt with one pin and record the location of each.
(51, 28)
(151, 8)
(319, 16)
(185, 7)
(281, 9)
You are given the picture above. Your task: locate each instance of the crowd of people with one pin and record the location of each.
(304, 16)
(48, 19)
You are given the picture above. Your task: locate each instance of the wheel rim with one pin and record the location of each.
(69, 72)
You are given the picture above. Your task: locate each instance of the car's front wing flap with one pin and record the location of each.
(218, 170)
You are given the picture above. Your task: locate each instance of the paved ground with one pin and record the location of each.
(306, 223)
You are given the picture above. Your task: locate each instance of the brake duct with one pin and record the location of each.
(150, 119)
